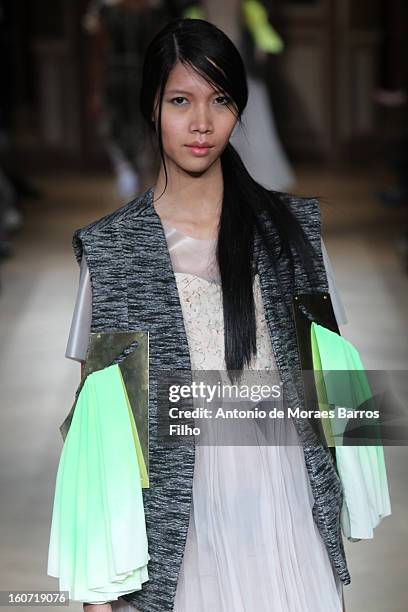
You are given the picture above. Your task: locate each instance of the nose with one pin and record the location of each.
(201, 120)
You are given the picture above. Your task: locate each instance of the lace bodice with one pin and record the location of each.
(201, 302)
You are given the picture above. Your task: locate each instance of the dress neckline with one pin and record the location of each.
(193, 276)
(207, 280)
(170, 227)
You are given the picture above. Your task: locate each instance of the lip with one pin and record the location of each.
(200, 143)
(199, 148)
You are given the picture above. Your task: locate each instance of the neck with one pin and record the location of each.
(190, 198)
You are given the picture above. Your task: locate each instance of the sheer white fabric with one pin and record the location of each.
(252, 542)
(187, 254)
(192, 255)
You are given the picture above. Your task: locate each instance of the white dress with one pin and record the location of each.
(252, 542)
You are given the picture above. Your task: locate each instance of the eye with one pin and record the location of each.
(176, 101)
(224, 100)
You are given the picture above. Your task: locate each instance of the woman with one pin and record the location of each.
(121, 30)
(263, 529)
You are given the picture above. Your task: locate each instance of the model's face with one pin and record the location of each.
(197, 121)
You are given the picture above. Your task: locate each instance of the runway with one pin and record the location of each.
(38, 384)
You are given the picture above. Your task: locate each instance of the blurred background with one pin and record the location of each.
(329, 101)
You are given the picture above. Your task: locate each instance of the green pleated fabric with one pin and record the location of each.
(98, 544)
(361, 469)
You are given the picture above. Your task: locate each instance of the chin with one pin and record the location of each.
(196, 168)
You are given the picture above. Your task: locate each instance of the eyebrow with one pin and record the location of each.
(189, 93)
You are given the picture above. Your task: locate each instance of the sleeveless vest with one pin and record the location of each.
(134, 288)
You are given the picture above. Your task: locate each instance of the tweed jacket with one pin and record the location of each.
(134, 288)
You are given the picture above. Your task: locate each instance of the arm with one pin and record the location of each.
(77, 344)
(193, 12)
(265, 37)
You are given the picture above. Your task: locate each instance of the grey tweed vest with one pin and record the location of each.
(134, 288)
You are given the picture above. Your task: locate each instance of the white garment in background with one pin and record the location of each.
(258, 143)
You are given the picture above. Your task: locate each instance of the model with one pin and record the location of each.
(208, 261)
(120, 31)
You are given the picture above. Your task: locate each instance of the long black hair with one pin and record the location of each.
(201, 46)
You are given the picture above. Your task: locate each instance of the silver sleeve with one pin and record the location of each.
(78, 338)
(338, 305)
